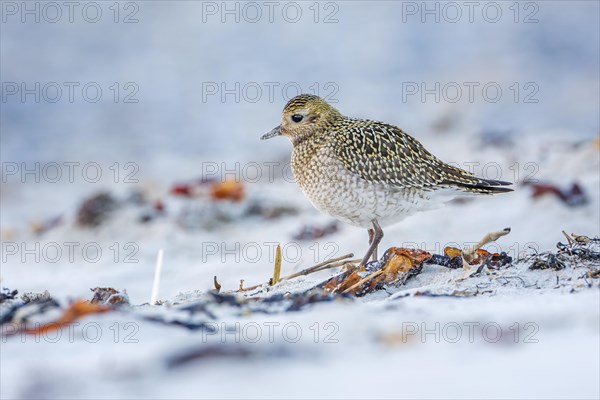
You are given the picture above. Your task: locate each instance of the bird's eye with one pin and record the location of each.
(297, 117)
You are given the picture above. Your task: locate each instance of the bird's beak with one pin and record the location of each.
(275, 132)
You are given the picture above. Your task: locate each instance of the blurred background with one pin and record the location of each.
(157, 94)
(186, 59)
(171, 85)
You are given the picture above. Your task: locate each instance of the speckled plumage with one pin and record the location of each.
(367, 172)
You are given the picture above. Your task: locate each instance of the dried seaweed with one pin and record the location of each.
(192, 326)
(212, 352)
(268, 211)
(7, 294)
(455, 293)
(593, 273)
(572, 196)
(75, 311)
(206, 353)
(445, 261)
(22, 312)
(395, 267)
(579, 251)
(109, 296)
(229, 299)
(31, 297)
(312, 296)
(94, 210)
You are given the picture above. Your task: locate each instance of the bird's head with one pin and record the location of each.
(303, 116)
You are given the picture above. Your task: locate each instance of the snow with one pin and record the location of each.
(383, 345)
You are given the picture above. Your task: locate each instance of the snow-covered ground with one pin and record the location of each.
(511, 333)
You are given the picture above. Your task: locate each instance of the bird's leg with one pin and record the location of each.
(377, 236)
(371, 233)
(371, 236)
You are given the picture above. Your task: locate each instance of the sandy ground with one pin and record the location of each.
(505, 333)
(508, 333)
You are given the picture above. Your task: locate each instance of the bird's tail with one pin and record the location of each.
(484, 186)
(461, 179)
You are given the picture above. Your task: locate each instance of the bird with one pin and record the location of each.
(368, 173)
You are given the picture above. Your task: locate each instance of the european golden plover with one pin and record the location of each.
(367, 173)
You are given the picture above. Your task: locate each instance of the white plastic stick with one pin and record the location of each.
(157, 272)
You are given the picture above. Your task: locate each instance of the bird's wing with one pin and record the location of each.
(384, 153)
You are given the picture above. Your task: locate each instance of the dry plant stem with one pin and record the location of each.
(364, 280)
(342, 263)
(243, 289)
(277, 269)
(569, 239)
(489, 238)
(217, 284)
(331, 263)
(468, 254)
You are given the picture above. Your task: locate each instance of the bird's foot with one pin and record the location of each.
(375, 236)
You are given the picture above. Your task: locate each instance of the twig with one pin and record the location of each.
(569, 239)
(338, 264)
(277, 270)
(490, 237)
(331, 263)
(217, 284)
(468, 253)
(157, 272)
(364, 280)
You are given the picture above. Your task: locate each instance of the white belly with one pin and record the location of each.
(333, 190)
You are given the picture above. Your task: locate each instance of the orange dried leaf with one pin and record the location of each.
(229, 189)
(75, 311)
(339, 283)
(452, 252)
(481, 256)
(400, 264)
(403, 260)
